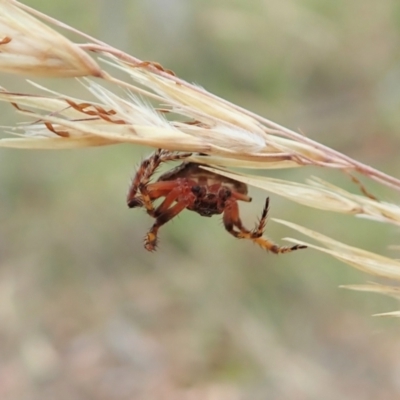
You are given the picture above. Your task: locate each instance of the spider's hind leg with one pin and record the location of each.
(234, 226)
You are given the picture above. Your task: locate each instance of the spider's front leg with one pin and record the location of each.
(150, 241)
(232, 220)
(143, 175)
(166, 211)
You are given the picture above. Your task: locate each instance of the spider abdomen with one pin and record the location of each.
(210, 200)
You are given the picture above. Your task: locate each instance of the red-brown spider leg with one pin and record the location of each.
(172, 196)
(260, 227)
(144, 173)
(150, 241)
(142, 176)
(265, 243)
(231, 219)
(145, 199)
(171, 156)
(156, 190)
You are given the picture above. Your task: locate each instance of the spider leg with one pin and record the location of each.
(171, 190)
(167, 155)
(260, 228)
(153, 191)
(232, 220)
(150, 241)
(146, 169)
(164, 212)
(145, 199)
(143, 175)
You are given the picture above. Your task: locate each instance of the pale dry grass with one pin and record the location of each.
(160, 110)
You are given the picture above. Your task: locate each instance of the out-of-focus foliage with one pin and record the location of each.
(86, 312)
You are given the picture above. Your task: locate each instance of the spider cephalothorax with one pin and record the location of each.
(196, 189)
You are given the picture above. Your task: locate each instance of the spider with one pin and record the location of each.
(191, 187)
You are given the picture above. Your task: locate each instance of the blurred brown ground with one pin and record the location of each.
(87, 313)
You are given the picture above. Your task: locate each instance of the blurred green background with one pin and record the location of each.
(87, 313)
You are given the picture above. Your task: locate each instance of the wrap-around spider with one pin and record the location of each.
(191, 187)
